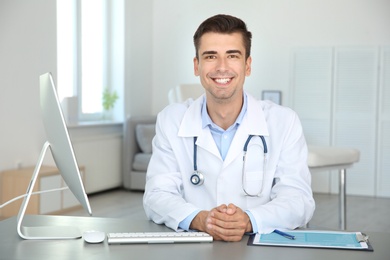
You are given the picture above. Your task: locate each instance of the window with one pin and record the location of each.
(93, 53)
(84, 38)
(66, 48)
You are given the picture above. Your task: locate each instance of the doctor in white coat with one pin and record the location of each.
(227, 164)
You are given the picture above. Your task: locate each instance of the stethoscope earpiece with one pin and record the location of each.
(197, 178)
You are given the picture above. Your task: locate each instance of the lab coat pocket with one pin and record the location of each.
(252, 183)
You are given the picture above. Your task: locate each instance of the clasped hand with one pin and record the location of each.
(225, 222)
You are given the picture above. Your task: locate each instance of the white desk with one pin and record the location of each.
(13, 247)
(327, 158)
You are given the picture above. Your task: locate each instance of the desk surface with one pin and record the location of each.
(13, 247)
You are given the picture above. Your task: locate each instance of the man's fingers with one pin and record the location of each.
(226, 234)
(222, 208)
(231, 209)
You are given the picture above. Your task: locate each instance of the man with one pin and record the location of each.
(198, 177)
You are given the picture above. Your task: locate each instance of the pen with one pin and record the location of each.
(284, 234)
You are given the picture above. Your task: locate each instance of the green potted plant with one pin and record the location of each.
(108, 102)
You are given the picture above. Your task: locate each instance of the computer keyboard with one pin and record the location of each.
(158, 237)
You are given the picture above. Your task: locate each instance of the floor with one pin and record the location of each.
(363, 213)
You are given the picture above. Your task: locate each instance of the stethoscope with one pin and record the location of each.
(197, 178)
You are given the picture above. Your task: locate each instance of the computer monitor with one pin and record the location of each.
(62, 151)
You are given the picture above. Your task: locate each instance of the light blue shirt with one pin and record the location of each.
(223, 139)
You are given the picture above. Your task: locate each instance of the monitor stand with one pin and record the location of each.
(42, 232)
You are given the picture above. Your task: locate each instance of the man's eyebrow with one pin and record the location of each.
(233, 51)
(228, 52)
(209, 52)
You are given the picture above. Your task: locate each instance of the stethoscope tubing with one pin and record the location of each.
(197, 178)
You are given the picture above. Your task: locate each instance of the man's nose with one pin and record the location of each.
(222, 64)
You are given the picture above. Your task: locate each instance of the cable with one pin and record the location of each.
(33, 193)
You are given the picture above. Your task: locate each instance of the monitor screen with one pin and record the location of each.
(58, 138)
(62, 151)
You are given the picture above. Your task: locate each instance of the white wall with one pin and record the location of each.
(138, 57)
(27, 50)
(277, 27)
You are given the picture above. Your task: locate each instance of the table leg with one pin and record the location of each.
(342, 198)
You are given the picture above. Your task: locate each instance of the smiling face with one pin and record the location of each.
(222, 66)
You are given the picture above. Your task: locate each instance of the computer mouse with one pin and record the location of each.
(93, 236)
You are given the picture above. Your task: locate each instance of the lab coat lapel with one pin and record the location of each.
(206, 141)
(192, 126)
(255, 118)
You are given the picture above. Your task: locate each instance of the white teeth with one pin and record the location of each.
(222, 81)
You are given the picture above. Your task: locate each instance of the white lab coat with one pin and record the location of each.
(286, 200)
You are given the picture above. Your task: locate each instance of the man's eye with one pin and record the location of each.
(233, 56)
(210, 57)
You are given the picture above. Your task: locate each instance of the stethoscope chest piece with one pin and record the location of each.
(197, 178)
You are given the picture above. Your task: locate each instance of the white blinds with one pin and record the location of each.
(342, 95)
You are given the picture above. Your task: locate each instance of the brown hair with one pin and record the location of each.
(225, 24)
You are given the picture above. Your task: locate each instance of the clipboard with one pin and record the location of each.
(314, 239)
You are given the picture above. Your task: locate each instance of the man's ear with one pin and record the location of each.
(248, 65)
(196, 64)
